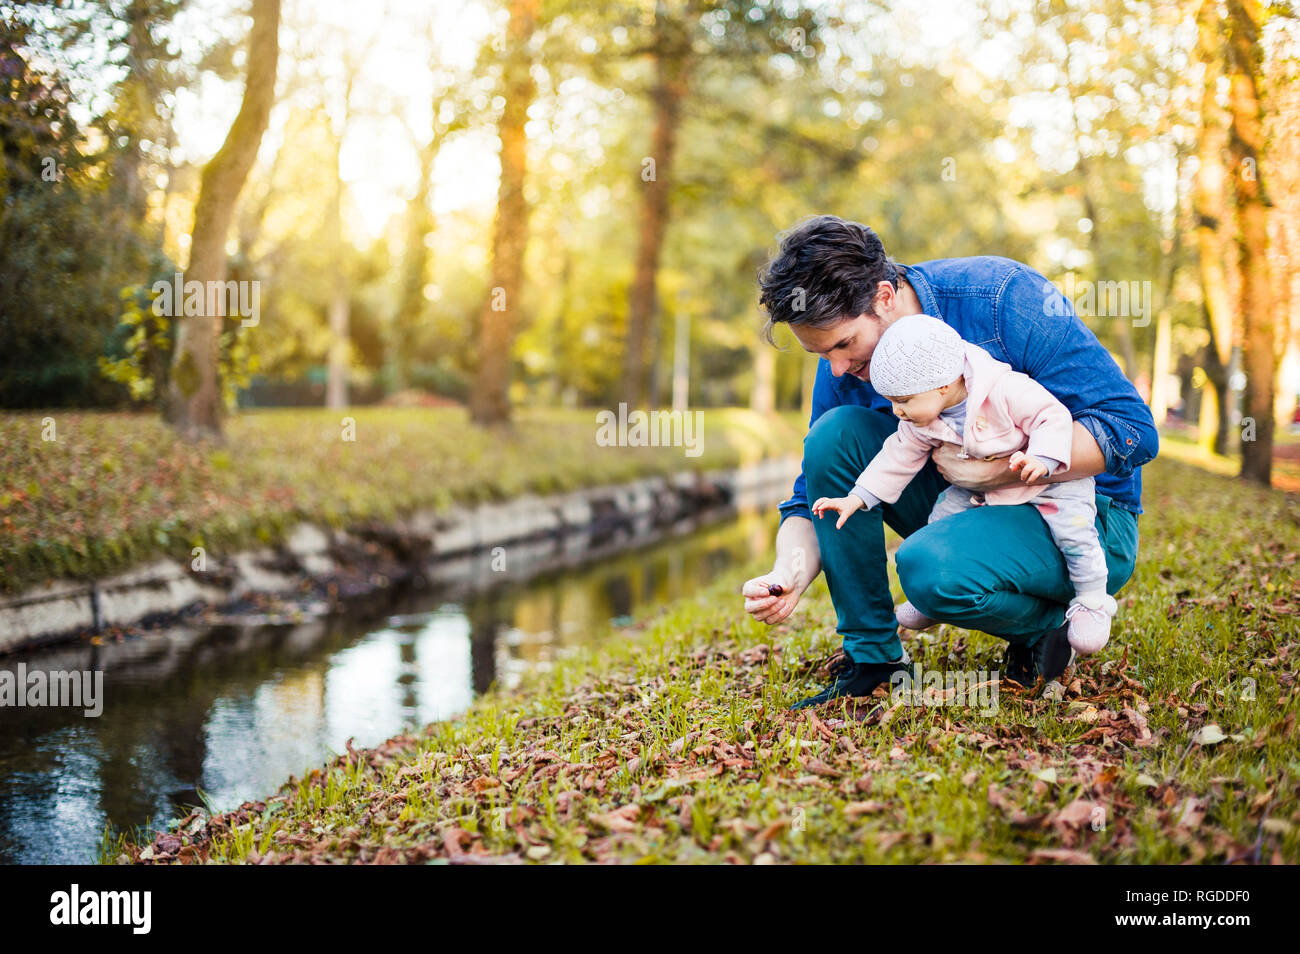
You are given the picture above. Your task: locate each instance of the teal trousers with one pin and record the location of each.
(993, 568)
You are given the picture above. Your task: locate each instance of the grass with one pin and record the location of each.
(1181, 444)
(672, 741)
(114, 490)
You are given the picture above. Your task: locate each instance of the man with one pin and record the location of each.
(991, 568)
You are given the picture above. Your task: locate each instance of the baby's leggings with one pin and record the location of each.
(1069, 509)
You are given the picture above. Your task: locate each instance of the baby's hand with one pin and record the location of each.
(844, 506)
(1031, 468)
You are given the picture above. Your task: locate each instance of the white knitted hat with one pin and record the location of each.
(917, 353)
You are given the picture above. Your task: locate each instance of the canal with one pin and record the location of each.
(218, 715)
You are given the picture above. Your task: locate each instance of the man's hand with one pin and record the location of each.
(844, 506)
(798, 561)
(980, 476)
(1031, 468)
(765, 606)
(1086, 460)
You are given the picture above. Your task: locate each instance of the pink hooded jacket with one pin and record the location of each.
(1006, 411)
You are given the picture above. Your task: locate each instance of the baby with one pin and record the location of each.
(945, 389)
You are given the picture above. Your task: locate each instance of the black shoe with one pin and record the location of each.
(854, 679)
(1018, 665)
(1049, 657)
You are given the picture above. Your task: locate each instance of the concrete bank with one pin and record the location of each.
(326, 566)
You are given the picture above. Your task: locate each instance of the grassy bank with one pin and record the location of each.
(672, 742)
(113, 490)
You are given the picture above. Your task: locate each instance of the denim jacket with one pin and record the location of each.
(1019, 317)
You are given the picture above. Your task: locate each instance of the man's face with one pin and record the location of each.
(848, 346)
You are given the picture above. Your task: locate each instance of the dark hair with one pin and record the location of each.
(826, 270)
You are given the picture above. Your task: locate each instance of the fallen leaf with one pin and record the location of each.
(1192, 813)
(1078, 813)
(1209, 734)
(620, 819)
(772, 830)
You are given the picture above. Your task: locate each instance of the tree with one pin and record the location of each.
(1212, 215)
(340, 303)
(1246, 145)
(1282, 108)
(55, 253)
(670, 52)
(74, 195)
(490, 400)
(448, 110)
(195, 404)
(740, 35)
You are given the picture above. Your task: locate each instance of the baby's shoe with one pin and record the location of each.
(1089, 617)
(909, 617)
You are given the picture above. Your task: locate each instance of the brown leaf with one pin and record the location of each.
(455, 839)
(619, 819)
(1139, 723)
(772, 830)
(168, 844)
(677, 747)
(1192, 813)
(818, 767)
(1076, 814)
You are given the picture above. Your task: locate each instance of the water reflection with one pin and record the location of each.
(233, 711)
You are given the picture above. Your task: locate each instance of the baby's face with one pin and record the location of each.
(920, 409)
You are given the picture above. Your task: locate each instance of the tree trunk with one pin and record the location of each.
(1162, 357)
(1160, 367)
(1283, 109)
(490, 401)
(415, 266)
(671, 70)
(338, 310)
(1128, 354)
(340, 307)
(681, 358)
(1215, 416)
(1246, 143)
(194, 397)
(1209, 212)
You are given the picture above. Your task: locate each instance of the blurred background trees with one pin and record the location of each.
(566, 202)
